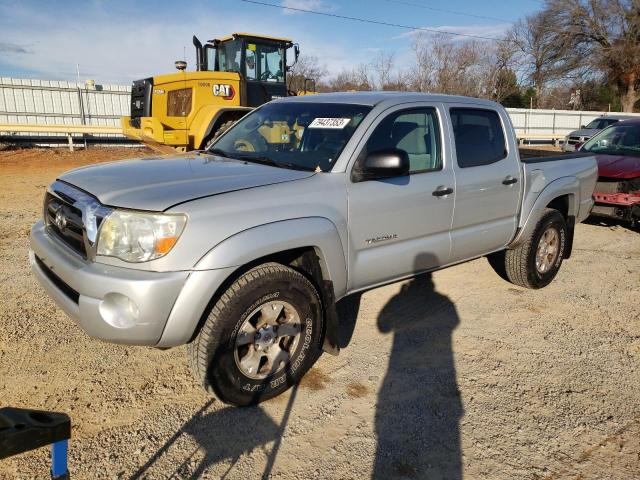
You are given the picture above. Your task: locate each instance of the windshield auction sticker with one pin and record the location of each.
(329, 123)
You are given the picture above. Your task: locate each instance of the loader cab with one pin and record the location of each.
(260, 61)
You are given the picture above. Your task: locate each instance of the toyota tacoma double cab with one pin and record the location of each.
(242, 251)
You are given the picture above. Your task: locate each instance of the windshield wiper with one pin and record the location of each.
(220, 153)
(269, 161)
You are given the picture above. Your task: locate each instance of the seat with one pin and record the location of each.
(475, 140)
(413, 139)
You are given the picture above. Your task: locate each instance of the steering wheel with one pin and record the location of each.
(267, 75)
(244, 145)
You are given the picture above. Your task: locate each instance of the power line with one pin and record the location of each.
(375, 22)
(442, 10)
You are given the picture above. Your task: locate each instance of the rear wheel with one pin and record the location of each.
(260, 337)
(535, 263)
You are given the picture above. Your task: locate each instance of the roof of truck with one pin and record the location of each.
(617, 116)
(374, 98)
(253, 35)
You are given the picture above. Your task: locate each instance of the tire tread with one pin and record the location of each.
(200, 350)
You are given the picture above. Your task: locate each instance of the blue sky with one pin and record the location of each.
(119, 41)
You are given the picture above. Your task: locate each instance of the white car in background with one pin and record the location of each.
(575, 139)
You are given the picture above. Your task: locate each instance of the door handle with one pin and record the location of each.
(442, 191)
(509, 180)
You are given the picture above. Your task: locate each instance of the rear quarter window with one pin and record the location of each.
(478, 135)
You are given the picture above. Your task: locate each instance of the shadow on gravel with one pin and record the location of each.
(223, 435)
(348, 309)
(419, 405)
(613, 223)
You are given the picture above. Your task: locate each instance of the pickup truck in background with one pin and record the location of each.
(242, 251)
(574, 140)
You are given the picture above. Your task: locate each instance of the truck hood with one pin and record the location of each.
(585, 132)
(158, 183)
(618, 166)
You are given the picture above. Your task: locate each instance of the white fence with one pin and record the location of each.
(49, 102)
(552, 122)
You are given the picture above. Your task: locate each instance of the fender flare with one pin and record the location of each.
(560, 187)
(213, 271)
(270, 238)
(261, 241)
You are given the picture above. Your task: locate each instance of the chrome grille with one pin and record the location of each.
(65, 222)
(73, 217)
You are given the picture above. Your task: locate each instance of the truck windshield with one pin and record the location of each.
(306, 136)
(600, 123)
(229, 56)
(616, 140)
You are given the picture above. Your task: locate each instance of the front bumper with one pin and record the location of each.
(621, 206)
(96, 296)
(154, 132)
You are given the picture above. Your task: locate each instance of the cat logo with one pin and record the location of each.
(223, 90)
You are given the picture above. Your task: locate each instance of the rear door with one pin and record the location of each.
(397, 225)
(488, 182)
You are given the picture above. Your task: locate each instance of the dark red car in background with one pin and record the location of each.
(617, 193)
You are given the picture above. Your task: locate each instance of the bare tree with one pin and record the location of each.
(307, 67)
(382, 66)
(609, 33)
(545, 55)
(358, 78)
(502, 81)
(446, 66)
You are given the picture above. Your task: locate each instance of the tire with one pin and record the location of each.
(221, 129)
(231, 371)
(521, 265)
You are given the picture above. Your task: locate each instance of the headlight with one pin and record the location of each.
(139, 236)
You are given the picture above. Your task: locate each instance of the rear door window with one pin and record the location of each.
(479, 137)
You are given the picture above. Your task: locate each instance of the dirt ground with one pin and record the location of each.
(455, 374)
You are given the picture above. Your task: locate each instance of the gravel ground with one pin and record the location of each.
(455, 374)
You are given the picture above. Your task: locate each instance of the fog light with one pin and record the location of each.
(118, 310)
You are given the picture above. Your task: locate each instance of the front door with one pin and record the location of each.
(264, 67)
(401, 225)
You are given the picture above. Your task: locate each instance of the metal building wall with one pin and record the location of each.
(52, 102)
(527, 121)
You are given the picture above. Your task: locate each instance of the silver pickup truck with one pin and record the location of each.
(242, 251)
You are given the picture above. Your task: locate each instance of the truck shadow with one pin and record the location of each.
(613, 223)
(419, 404)
(223, 435)
(417, 412)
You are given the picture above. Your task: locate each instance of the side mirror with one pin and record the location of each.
(296, 54)
(380, 164)
(583, 126)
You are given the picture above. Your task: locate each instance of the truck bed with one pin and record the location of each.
(530, 155)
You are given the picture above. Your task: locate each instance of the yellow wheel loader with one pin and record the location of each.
(186, 110)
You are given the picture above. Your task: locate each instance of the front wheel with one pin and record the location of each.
(221, 129)
(261, 336)
(535, 263)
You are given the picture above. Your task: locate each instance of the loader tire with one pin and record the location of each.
(221, 129)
